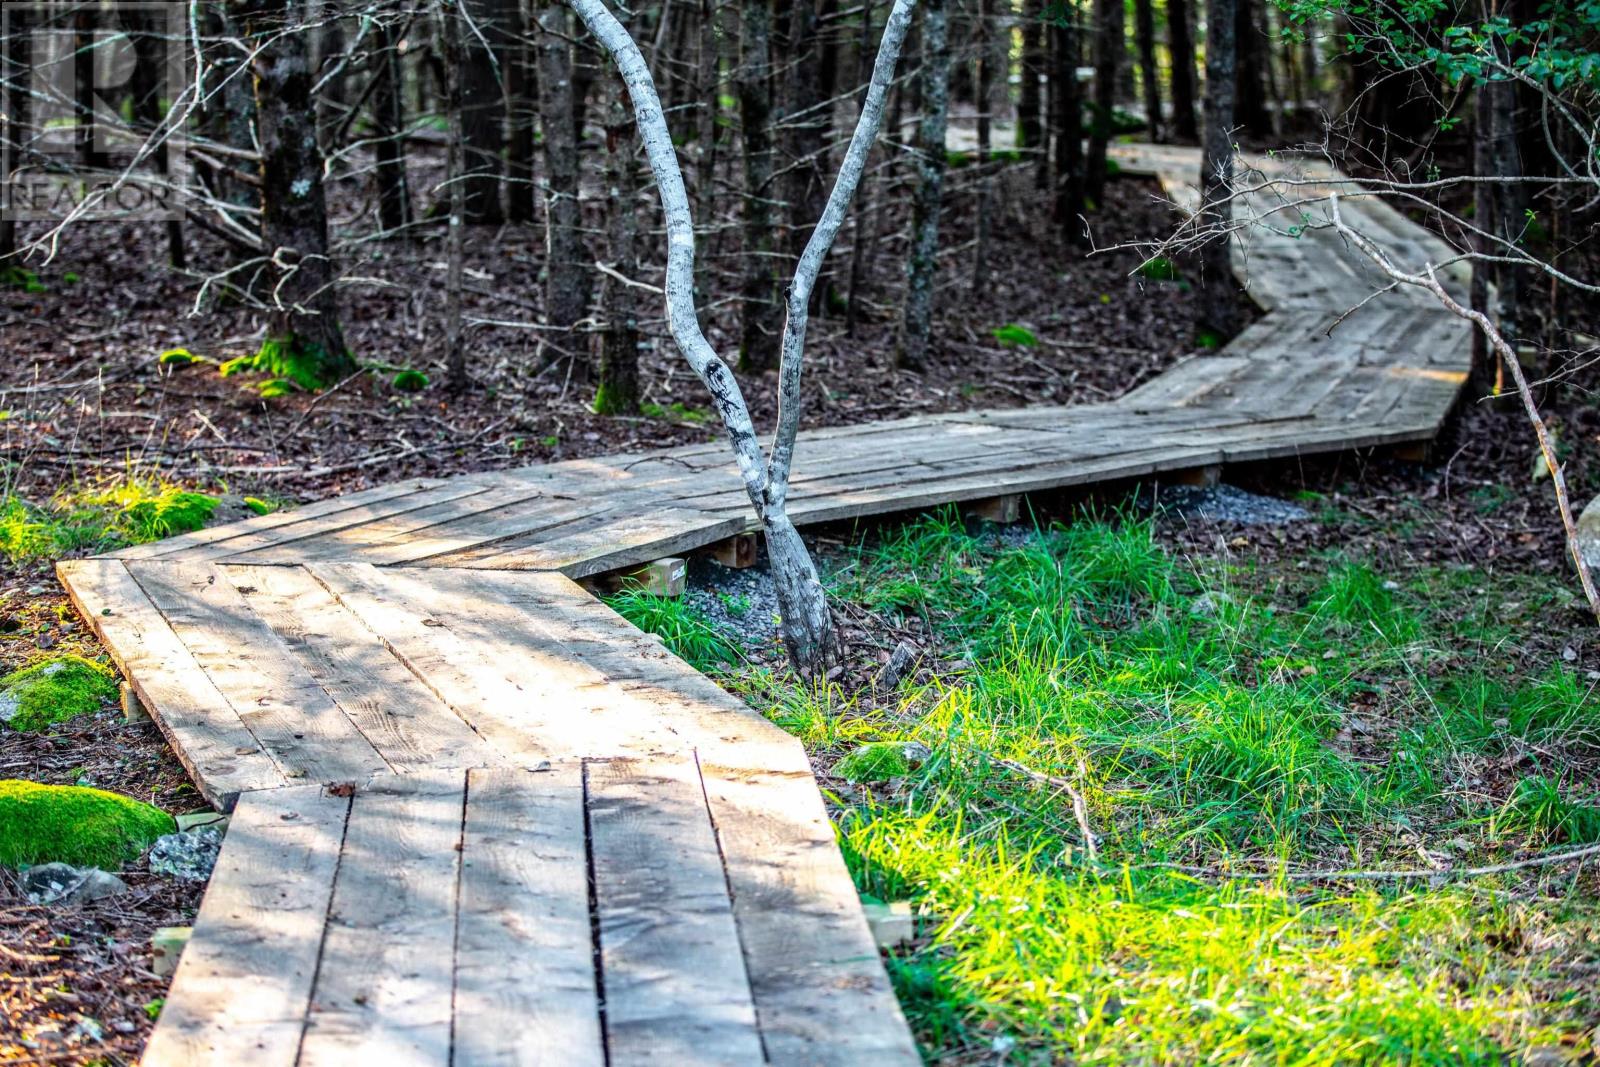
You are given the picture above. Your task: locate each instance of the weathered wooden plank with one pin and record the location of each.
(185, 543)
(525, 989)
(402, 718)
(383, 992)
(292, 716)
(820, 990)
(215, 746)
(675, 982)
(243, 985)
(469, 678)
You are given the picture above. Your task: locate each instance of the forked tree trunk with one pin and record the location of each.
(304, 339)
(807, 624)
(1218, 293)
(916, 326)
(1180, 46)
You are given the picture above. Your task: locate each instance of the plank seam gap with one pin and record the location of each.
(327, 923)
(455, 933)
(594, 917)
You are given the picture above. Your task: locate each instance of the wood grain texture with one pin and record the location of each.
(243, 985)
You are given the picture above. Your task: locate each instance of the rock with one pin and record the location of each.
(53, 691)
(901, 660)
(1589, 535)
(1225, 503)
(62, 883)
(1207, 604)
(188, 855)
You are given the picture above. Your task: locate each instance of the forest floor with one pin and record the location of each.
(94, 427)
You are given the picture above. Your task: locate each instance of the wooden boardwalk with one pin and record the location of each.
(480, 819)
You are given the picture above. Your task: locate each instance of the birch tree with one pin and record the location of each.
(807, 624)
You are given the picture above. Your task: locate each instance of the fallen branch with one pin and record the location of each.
(1402, 874)
(1080, 808)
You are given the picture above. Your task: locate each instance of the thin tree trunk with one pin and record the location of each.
(759, 300)
(1250, 100)
(1219, 315)
(617, 388)
(1109, 45)
(865, 227)
(1067, 117)
(1180, 45)
(984, 81)
(1144, 32)
(1513, 291)
(522, 107)
(566, 283)
(1030, 102)
(1483, 370)
(450, 36)
(304, 338)
(916, 326)
(482, 107)
(394, 192)
(804, 118)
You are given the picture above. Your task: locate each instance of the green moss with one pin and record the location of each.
(610, 401)
(306, 364)
(408, 380)
(53, 691)
(877, 761)
(74, 824)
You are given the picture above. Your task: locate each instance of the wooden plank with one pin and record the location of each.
(215, 746)
(525, 990)
(383, 993)
(185, 543)
(819, 987)
(675, 983)
(244, 982)
(292, 716)
(468, 677)
(402, 718)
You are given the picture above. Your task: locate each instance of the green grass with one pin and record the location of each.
(54, 690)
(686, 631)
(74, 824)
(1231, 721)
(127, 511)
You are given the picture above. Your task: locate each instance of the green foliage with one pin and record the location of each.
(271, 388)
(877, 761)
(408, 380)
(685, 630)
(608, 401)
(260, 506)
(128, 512)
(54, 690)
(1209, 339)
(1015, 335)
(1159, 269)
(178, 357)
(1204, 715)
(304, 363)
(676, 410)
(74, 824)
(14, 277)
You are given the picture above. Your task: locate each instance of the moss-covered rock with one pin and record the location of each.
(74, 824)
(53, 691)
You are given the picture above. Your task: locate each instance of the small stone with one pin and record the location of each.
(36, 590)
(1593, 676)
(901, 660)
(1391, 585)
(188, 855)
(62, 883)
(1569, 654)
(1588, 534)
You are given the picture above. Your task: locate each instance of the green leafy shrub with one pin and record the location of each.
(74, 824)
(686, 631)
(409, 381)
(60, 688)
(1159, 269)
(876, 761)
(129, 512)
(1015, 335)
(1538, 809)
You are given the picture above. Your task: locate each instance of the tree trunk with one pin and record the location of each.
(1109, 44)
(617, 391)
(1250, 100)
(522, 109)
(1144, 32)
(1067, 117)
(1483, 368)
(566, 282)
(804, 118)
(482, 108)
(1180, 45)
(304, 338)
(388, 118)
(809, 634)
(1030, 102)
(451, 34)
(916, 326)
(1513, 291)
(759, 299)
(984, 82)
(1219, 308)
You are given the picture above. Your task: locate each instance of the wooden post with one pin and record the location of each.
(892, 924)
(1001, 509)
(166, 946)
(663, 577)
(738, 551)
(133, 709)
(1414, 452)
(1204, 477)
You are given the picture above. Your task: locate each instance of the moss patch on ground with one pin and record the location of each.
(74, 824)
(60, 688)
